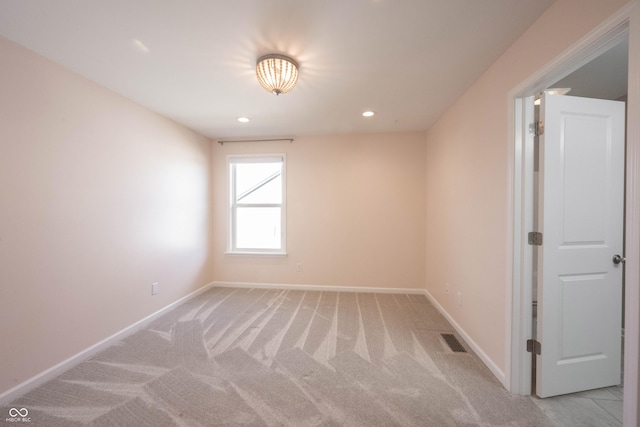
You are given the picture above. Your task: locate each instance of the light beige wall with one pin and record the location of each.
(98, 199)
(355, 214)
(468, 181)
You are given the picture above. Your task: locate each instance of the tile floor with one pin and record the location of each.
(597, 408)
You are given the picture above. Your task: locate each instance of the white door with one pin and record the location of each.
(580, 214)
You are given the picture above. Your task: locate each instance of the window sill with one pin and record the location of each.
(250, 253)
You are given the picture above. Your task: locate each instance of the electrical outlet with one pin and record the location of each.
(459, 299)
(299, 267)
(154, 288)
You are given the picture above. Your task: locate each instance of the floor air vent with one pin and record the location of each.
(453, 343)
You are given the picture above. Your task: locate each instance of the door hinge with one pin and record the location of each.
(534, 346)
(534, 238)
(536, 128)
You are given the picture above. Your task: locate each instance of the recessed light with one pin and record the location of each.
(368, 114)
(243, 119)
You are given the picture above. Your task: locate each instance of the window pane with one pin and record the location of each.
(270, 192)
(258, 228)
(258, 182)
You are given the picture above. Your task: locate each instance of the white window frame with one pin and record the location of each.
(232, 206)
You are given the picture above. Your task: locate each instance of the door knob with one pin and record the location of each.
(617, 259)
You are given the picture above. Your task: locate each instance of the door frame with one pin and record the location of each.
(626, 22)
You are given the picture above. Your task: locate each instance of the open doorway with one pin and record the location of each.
(576, 63)
(578, 265)
(582, 195)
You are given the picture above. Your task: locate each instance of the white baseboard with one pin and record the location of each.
(65, 365)
(497, 372)
(320, 288)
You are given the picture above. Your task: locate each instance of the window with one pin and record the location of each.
(256, 204)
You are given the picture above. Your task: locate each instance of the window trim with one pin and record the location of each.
(255, 158)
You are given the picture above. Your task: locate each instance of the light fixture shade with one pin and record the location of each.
(277, 73)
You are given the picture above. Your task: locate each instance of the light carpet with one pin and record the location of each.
(264, 357)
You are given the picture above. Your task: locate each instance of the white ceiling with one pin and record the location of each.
(408, 60)
(604, 77)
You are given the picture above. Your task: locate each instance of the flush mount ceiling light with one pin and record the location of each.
(277, 73)
(368, 114)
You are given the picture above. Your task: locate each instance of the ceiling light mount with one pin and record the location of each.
(552, 91)
(277, 73)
